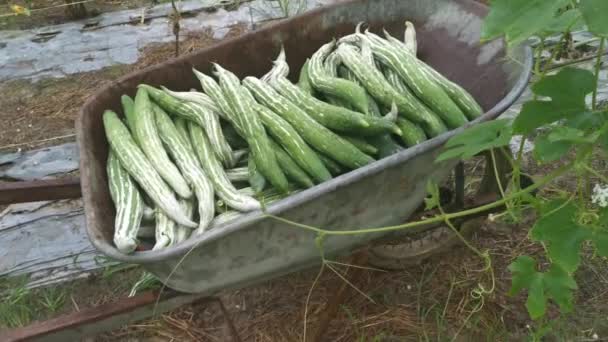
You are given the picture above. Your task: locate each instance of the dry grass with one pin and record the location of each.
(34, 112)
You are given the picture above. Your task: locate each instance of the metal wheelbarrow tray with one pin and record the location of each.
(255, 248)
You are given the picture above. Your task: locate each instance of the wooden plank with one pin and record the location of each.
(39, 190)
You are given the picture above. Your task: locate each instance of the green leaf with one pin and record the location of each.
(565, 22)
(567, 90)
(599, 237)
(560, 232)
(524, 270)
(546, 151)
(587, 120)
(559, 285)
(563, 133)
(555, 284)
(594, 13)
(487, 135)
(518, 20)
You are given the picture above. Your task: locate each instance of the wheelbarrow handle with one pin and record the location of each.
(39, 190)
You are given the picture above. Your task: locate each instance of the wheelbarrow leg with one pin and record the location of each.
(490, 182)
(337, 298)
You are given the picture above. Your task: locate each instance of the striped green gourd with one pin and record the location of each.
(133, 159)
(128, 203)
(164, 231)
(304, 79)
(381, 90)
(183, 233)
(252, 128)
(293, 172)
(148, 215)
(311, 131)
(241, 155)
(182, 152)
(463, 99)
(385, 144)
(331, 165)
(222, 185)
(361, 144)
(256, 179)
(238, 174)
(409, 38)
(334, 117)
(412, 133)
(293, 143)
(268, 197)
(201, 115)
(425, 88)
(343, 89)
(149, 141)
(167, 231)
(213, 89)
(128, 108)
(196, 97)
(280, 67)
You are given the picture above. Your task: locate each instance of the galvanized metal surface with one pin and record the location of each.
(255, 248)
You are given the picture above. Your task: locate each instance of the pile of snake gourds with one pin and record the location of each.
(182, 163)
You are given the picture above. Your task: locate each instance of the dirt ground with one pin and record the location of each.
(52, 12)
(32, 113)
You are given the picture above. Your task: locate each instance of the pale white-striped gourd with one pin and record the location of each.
(150, 143)
(133, 159)
(183, 153)
(128, 203)
(223, 187)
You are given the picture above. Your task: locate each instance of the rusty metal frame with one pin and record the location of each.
(93, 320)
(39, 190)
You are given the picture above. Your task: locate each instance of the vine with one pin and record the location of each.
(568, 128)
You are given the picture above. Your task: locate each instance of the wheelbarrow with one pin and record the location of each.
(255, 247)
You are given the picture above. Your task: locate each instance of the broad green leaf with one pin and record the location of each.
(594, 13)
(567, 90)
(599, 236)
(536, 302)
(546, 151)
(560, 232)
(524, 270)
(535, 114)
(518, 20)
(487, 135)
(567, 21)
(559, 285)
(563, 133)
(555, 284)
(587, 120)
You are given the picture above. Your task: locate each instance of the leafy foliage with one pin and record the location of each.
(567, 91)
(594, 12)
(485, 136)
(519, 19)
(563, 122)
(555, 284)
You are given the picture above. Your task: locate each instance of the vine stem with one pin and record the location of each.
(595, 173)
(598, 65)
(436, 219)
